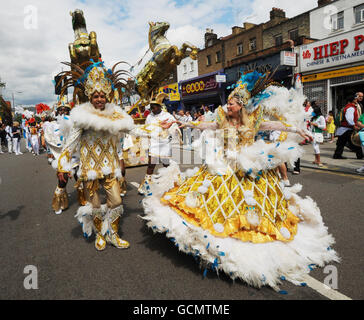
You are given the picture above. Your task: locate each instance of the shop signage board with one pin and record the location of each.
(288, 58)
(343, 49)
(172, 91)
(333, 74)
(200, 85)
(221, 78)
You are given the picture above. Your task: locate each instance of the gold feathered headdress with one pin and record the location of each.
(95, 77)
(251, 84)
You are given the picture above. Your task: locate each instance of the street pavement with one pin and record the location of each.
(69, 267)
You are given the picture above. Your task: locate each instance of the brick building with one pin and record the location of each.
(211, 58)
(280, 29)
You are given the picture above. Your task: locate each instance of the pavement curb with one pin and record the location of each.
(354, 173)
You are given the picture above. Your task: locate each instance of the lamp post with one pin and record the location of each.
(12, 93)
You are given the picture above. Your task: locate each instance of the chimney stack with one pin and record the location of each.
(210, 37)
(321, 3)
(277, 13)
(237, 30)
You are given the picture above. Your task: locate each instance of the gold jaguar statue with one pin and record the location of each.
(83, 48)
(164, 60)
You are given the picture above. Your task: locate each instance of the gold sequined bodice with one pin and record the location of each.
(239, 136)
(98, 152)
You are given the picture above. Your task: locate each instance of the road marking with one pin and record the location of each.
(324, 289)
(311, 282)
(351, 175)
(135, 184)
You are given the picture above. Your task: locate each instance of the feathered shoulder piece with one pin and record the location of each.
(112, 119)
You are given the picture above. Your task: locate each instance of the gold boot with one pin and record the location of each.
(60, 200)
(100, 242)
(122, 182)
(113, 237)
(81, 196)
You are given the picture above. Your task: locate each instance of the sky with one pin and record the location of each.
(34, 34)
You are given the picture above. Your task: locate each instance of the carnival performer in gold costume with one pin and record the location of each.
(97, 129)
(234, 212)
(56, 135)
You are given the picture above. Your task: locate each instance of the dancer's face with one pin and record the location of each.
(233, 108)
(156, 108)
(98, 100)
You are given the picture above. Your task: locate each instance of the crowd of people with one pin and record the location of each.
(347, 128)
(31, 131)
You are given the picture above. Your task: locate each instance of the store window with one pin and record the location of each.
(317, 91)
(218, 56)
(208, 60)
(278, 40)
(337, 21)
(239, 48)
(293, 34)
(253, 44)
(359, 13)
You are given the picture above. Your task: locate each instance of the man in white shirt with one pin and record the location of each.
(188, 130)
(347, 126)
(9, 137)
(160, 147)
(209, 116)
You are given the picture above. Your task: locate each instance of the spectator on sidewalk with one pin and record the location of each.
(359, 103)
(9, 136)
(208, 115)
(360, 125)
(180, 116)
(308, 115)
(318, 125)
(188, 131)
(16, 138)
(2, 136)
(330, 126)
(350, 116)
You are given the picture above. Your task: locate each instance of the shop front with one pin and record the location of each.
(263, 64)
(332, 69)
(204, 90)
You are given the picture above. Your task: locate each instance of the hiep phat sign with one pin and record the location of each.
(343, 49)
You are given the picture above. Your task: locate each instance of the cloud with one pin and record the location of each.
(30, 58)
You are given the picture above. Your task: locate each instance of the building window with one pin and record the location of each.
(239, 48)
(293, 34)
(184, 68)
(278, 40)
(208, 60)
(218, 56)
(359, 13)
(191, 67)
(337, 21)
(253, 44)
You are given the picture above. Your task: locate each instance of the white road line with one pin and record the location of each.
(135, 184)
(324, 289)
(311, 282)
